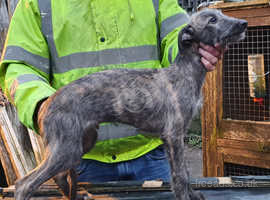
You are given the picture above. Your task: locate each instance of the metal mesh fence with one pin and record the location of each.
(242, 170)
(237, 102)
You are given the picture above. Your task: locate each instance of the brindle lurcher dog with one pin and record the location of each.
(157, 101)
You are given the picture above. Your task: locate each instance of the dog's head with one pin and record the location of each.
(210, 26)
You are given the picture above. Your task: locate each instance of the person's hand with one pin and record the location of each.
(210, 55)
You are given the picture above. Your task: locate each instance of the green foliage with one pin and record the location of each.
(194, 137)
(195, 141)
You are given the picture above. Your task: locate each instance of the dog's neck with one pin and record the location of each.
(188, 65)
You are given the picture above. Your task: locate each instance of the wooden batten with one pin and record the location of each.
(37, 145)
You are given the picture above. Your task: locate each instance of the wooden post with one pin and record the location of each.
(211, 115)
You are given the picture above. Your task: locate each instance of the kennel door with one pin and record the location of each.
(245, 126)
(236, 112)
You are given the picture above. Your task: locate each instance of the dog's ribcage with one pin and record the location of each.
(142, 98)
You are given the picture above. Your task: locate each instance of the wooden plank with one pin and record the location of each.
(238, 5)
(37, 145)
(245, 157)
(6, 163)
(244, 130)
(11, 149)
(245, 161)
(259, 21)
(248, 13)
(220, 164)
(258, 146)
(21, 134)
(22, 161)
(255, 16)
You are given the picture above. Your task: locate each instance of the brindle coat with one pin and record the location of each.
(160, 101)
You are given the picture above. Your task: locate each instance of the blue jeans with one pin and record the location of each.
(151, 166)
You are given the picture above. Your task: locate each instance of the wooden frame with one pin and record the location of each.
(240, 142)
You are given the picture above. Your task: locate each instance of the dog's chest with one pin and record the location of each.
(189, 99)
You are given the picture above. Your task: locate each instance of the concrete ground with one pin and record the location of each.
(194, 161)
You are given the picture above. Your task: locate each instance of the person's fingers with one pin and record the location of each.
(214, 50)
(208, 56)
(207, 64)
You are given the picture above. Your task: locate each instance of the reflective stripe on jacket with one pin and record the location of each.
(53, 42)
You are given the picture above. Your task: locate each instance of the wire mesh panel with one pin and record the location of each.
(242, 170)
(238, 104)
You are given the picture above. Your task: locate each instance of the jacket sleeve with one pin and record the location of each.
(24, 66)
(172, 18)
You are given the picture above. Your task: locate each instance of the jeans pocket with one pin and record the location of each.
(157, 154)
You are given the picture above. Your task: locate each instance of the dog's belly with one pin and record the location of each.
(144, 121)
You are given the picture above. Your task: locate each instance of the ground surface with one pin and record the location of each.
(194, 161)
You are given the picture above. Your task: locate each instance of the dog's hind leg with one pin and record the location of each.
(67, 183)
(51, 166)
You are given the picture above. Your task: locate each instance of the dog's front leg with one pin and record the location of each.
(179, 173)
(174, 142)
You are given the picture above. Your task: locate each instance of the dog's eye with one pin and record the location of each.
(213, 20)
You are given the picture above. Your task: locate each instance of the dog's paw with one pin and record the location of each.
(84, 195)
(196, 195)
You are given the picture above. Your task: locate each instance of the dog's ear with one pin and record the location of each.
(186, 35)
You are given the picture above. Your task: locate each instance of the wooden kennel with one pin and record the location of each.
(235, 120)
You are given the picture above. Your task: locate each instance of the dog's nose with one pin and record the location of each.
(243, 24)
